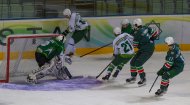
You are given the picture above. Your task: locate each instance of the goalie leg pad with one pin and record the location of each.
(40, 73)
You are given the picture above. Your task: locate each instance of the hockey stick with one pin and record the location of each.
(153, 83)
(95, 50)
(103, 70)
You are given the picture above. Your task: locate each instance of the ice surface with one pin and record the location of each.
(108, 93)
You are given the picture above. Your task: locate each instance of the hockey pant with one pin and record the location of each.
(137, 63)
(75, 38)
(41, 59)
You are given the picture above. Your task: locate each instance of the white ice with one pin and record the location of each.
(109, 93)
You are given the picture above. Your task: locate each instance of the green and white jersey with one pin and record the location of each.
(51, 48)
(77, 23)
(123, 44)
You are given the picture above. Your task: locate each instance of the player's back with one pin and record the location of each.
(50, 48)
(142, 36)
(123, 43)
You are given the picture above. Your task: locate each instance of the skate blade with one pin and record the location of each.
(159, 95)
(141, 85)
(130, 82)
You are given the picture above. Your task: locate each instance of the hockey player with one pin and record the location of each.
(126, 27)
(123, 52)
(173, 66)
(143, 40)
(50, 59)
(78, 27)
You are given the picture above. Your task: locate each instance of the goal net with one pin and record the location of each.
(18, 56)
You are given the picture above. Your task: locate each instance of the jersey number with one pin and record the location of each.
(127, 46)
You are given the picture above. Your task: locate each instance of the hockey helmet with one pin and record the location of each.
(137, 22)
(169, 40)
(67, 12)
(125, 21)
(117, 31)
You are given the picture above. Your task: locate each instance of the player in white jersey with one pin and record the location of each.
(78, 27)
(123, 52)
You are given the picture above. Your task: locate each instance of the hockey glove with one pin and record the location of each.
(68, 60)
(160, 72)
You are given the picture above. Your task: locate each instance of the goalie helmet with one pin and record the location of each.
(117, 31)
(169, 40)
(67, 12)
(137, 22)
(125, 21)
(61, 38)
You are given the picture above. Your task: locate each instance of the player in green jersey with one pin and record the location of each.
(50, 59)
(173, 66)
(123, 52)
(143, 41)
(126, 27)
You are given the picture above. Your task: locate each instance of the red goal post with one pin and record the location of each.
(20, 46)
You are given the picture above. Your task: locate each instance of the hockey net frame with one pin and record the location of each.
(8, 49)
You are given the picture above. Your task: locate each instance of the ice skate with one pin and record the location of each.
(142, 82)
(131, 80)
(160, 92)
(106, 77)
(115, 74)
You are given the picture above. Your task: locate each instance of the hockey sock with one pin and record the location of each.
(141, 72)
(111, 67)
(133, 71)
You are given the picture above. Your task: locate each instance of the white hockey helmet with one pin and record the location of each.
(117, 31)
(124, 21)
(67, 12)
(137, 22)
(61, 38)
(169, 40)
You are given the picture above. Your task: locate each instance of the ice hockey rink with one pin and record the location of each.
(96, 92)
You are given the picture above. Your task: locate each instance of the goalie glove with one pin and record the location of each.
(68, 60)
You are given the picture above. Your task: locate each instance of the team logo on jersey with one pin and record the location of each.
(155, 26)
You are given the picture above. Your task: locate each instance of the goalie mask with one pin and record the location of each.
(61, 38)
(117, 31)
(169, 40)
